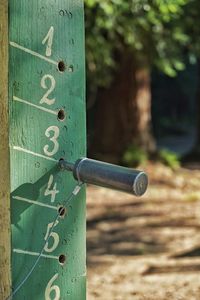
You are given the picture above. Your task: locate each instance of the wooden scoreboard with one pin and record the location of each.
(42, 119)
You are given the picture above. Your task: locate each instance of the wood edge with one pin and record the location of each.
(5, 239)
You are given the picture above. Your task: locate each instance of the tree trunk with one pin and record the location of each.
(123, 113)
(197, 144)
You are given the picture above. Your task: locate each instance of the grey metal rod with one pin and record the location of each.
(108, 175)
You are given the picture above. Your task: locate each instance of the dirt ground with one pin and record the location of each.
(146, 248)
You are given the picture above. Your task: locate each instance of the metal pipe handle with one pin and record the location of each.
(108, 175)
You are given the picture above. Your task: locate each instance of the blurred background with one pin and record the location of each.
(143, 110)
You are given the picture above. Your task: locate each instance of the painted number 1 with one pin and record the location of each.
(49, 40)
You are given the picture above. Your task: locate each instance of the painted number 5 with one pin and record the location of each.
(54, 236)
(54, 138)
(52, 289)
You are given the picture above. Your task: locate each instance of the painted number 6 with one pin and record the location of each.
(52, 288)
(55, 131)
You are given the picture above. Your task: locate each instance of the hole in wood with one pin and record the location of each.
(61, 66)
(61, 163)
(62, 259)
(61, 115)
(62, 211)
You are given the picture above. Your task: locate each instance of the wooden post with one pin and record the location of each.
(45, 97)
(5, 276)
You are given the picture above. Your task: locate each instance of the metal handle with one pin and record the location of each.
(108, 175)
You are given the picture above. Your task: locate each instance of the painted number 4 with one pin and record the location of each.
(51, 189)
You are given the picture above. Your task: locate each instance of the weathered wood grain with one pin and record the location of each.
(42, 34)
(5, 279)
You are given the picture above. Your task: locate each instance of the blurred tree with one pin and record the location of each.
(124, 39)
(192, 29)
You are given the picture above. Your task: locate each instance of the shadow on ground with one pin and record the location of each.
(112, 232)
(132, 241)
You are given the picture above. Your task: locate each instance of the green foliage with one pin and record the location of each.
(134, 156)
(169, 158)
(154, 32)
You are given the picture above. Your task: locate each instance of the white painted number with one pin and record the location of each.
(50, 88)
(52, 288)
(54, 235)
(49, 40)
(52, 191)
(56, 131)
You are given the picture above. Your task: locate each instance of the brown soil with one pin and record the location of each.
(146, 248)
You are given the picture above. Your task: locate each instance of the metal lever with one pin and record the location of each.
(107, 175)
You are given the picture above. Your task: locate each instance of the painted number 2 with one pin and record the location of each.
(53, 139)
(52, 289)
(48, 82)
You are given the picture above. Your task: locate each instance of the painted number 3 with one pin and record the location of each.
(53, 139)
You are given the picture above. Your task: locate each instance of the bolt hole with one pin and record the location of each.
(61, 164)
(61, 115)
(62, 259)
(61, 66)
(62, 211)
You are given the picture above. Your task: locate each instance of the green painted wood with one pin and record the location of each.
(43, 33)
